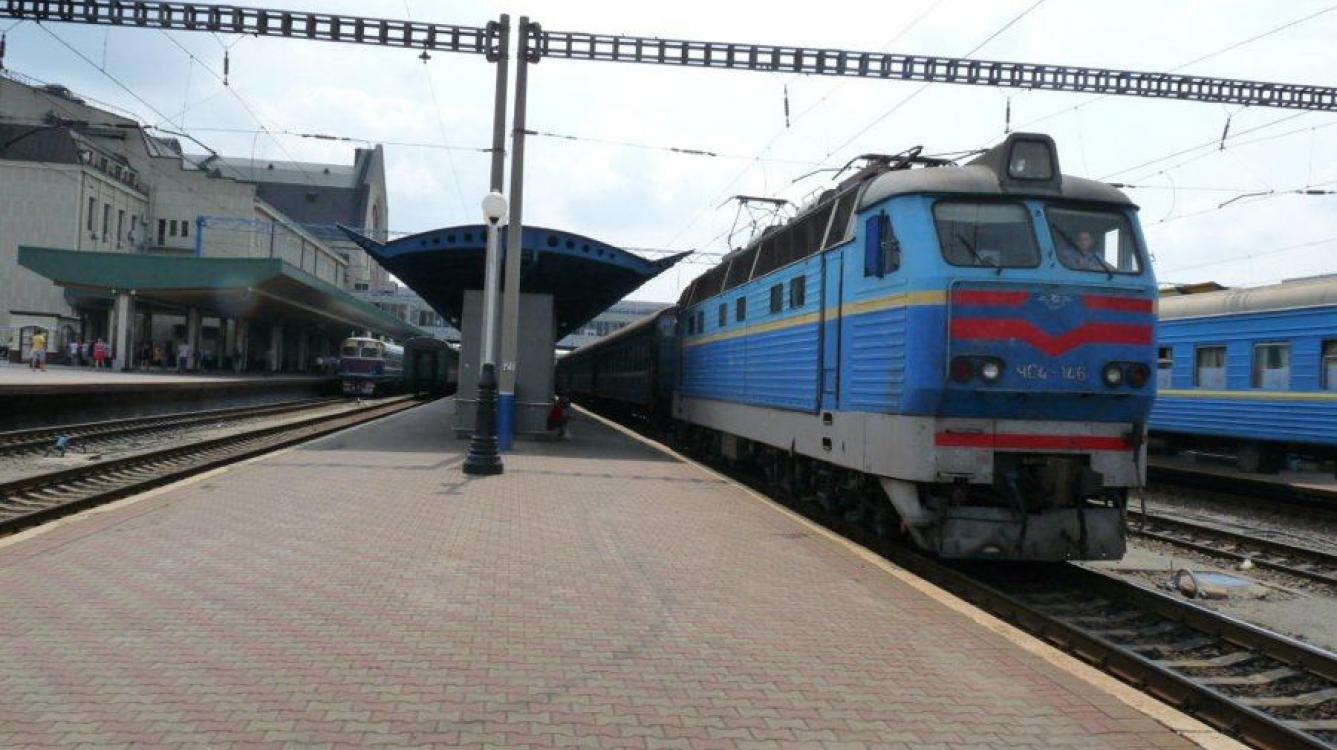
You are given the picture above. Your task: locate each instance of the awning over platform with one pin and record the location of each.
(249, 288)
(584, 276)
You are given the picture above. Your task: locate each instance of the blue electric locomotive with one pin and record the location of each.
(1250, 370)
(963, 351)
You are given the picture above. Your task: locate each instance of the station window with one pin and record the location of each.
(777, 298)
(1272, 366)
(120, 225)
(185, 230)
(740, 309)
(724, 315)
(1329, 374)
(162, 231)
(1165, 363)
(171, 227)
(92, 210)
(106, 219)
(1210, 367)
(796, 290)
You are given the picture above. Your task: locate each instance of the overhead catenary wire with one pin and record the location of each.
(757, 159)
(441, 125)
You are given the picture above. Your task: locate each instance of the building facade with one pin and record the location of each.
(79, 177)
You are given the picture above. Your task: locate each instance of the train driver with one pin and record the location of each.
(1081, 254)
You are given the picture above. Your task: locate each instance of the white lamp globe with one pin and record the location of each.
(494, 207)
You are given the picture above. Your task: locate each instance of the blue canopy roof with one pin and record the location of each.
(584, 276)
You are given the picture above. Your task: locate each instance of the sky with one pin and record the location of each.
(624, 184)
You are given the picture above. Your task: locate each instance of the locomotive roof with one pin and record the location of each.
(979, 179)
(1284, 296)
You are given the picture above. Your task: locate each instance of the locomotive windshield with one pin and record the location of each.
(991, 235)
(1094, 240)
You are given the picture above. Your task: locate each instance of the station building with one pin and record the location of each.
(85, 189)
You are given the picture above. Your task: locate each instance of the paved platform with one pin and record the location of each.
(65, 395)
(20, 378)
(362, 591)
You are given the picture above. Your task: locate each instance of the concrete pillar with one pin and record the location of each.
(227, 334)
(242, 349)
(123, 330)
(275, 347)
(303, 353)
(193, 322)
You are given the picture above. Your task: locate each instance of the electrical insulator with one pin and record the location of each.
(786, 106)
(2, 51)
(227, 66)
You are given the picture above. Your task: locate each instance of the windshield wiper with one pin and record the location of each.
(1109, 270)
(997, 269)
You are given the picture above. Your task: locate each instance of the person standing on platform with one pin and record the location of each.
(182, 356)
(99, 354)
(39, 350)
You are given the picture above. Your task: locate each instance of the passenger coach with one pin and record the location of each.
(963, 353)
(1250, 370)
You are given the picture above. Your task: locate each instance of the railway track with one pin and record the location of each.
(33, 500)
(1303, 562)
(82, 436)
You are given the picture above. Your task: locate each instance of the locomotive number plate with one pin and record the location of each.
(1037, 371)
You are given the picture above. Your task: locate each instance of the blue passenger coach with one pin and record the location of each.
(961, 351)
(1254, 370)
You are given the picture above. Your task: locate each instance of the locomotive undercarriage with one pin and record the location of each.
(1039, 507)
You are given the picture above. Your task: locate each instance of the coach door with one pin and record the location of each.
(832, 288)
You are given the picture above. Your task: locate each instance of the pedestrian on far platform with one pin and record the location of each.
(39, 350)
(99, 354)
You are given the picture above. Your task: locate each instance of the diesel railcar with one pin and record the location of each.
(959, 353)
(431, 366)
(368, 366)
(1253, 371)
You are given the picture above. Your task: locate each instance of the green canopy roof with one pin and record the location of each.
(250, 288)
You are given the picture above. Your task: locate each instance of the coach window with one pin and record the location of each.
(1272, 367)
(777, 298)
(881, 251)
(1165, 363)
(1329, 374)
(991, 235)
(724, 315)
(796, 290)
(1210, 367)
(740, 309)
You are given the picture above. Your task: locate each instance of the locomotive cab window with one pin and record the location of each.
(1209, 369)
(1094, 240)
(1329, 374)
(724, 315)
(1272, 367)
(740, 309)
(777, 298)
(349, 350)
(988, 235)
(371, 351)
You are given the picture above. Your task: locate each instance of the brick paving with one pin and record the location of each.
(362, 591)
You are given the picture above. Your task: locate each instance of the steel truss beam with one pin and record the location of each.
(835, 62)
(231, 19)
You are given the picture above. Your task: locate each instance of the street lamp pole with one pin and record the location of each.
(483, 458)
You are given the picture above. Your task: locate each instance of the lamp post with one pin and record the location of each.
(483, 458)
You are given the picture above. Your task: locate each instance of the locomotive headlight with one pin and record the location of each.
(1112, 374)
(990, 370)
